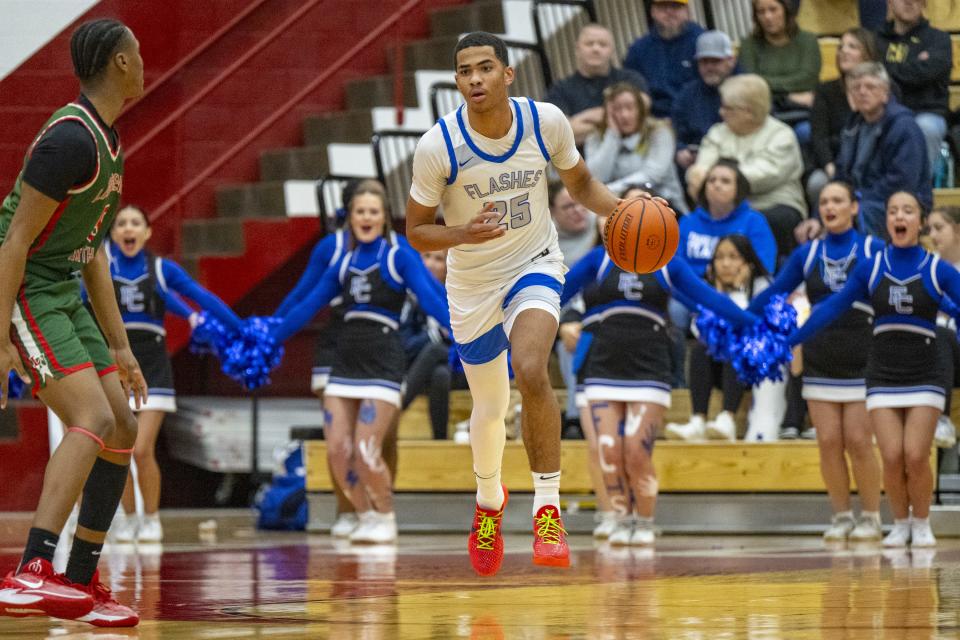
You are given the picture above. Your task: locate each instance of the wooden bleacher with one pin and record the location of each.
(721, 467)
(830, 17)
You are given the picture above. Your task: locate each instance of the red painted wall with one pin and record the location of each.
(24, 458)
(167, 31)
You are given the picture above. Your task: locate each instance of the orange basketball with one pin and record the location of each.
(641, 235)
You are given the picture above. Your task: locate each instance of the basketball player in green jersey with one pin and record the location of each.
(52, 226)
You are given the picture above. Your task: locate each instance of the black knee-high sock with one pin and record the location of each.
(40, 544)
(101, 495)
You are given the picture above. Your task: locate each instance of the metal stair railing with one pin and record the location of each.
(393, 154)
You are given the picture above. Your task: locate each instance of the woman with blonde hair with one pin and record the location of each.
(767, 153)
(631, 147)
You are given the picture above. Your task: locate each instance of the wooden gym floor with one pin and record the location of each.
(239, 583)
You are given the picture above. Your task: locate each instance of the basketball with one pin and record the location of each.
(641, 235)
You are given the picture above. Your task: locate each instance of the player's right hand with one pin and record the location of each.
(483, 227)
(9, 360)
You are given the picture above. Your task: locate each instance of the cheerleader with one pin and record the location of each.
(905, 285)
(146, 288)
(944, 223)
(326, 253)
(627, 374)
(834, 361)
(363, 393)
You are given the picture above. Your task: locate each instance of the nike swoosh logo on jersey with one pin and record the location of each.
(50, 544)
(463, 164)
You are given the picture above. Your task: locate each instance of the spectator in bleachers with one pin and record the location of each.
(697, 107)
(787, 57)
(664, 56)
(767, 152)
(919, 59)
(882, 150)
(722, 210)
(577, 235)
(873, 13)
(576, 225)
(580, 95)
(736, 270)
(632, 147)
(831, 107)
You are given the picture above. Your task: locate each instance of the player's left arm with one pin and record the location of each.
(560, 145)
(103, 299)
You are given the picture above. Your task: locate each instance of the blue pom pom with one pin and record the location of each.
(247, 355)
(14, 386)
(715, 333)
(252, 353)
(759, 352)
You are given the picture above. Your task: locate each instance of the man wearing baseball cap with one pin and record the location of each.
(697, 107)
(695, 110)
(664, 56)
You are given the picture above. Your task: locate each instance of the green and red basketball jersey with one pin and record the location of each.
(75, 231)
(52, 330)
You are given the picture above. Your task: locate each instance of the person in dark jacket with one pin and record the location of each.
(665, 55)
(697, 107)
(831, 107)
(919, 58)
(580, 95)
(882, 149)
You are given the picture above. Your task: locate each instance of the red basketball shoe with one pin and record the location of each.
(107, 612)
(38, 591)
(485, 543)
(550, 538)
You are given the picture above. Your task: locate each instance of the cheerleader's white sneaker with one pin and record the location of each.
(606, 523)
(690, 431)
(899, 536)
(921, 535)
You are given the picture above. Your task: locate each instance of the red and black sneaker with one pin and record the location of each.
(550, 538)
(37, 591)
(106, 612)
(486, 539)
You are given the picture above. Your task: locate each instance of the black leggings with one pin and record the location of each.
(430, 373)
(705, 375)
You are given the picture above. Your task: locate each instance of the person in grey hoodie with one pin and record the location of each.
(632, 147)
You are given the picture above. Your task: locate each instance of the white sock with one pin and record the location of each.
(490, 491)
(490, 390)
(920, 522)
(844, 514)
(901, 522)
(546, 490)
(873, 515)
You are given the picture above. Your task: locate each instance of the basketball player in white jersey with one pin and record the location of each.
(485, 164)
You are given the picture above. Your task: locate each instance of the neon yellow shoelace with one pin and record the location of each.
(487, 531)
(549, 529)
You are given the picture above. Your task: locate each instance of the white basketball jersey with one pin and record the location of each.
(461, 170)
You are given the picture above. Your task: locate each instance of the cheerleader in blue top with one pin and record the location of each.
(146, 288)
(627, 374)
(363, 394)
(325, 254)
(834, 363)
(905, 285)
